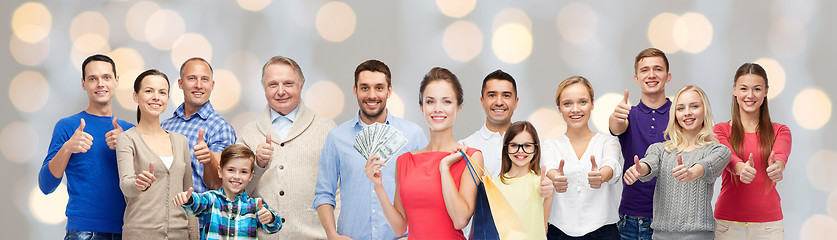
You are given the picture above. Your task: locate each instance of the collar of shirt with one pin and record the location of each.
(486, 134)
(291, 116)
(361, 124)
(203, 113)
(662, 109)
(240, 197)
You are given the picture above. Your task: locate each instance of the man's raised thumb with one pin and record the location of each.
(81, 126)
(200, 135)
(116, 125)
(625, 99)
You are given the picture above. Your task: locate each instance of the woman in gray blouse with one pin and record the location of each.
(686, 166)
(153, 165)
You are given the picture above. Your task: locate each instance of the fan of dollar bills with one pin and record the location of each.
(381, 139)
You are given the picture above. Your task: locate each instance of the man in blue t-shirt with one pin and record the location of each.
(82, 148)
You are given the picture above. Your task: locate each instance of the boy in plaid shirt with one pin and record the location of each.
(228, 213)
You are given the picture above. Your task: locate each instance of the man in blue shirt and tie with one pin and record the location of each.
(342, 166)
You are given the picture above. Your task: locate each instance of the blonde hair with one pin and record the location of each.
(570, 81)
(674, 132)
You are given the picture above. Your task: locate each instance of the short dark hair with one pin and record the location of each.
(441, 74)
(183, 66)
(498, 75)
(374, 66)
(238, 151)
(97, 57)
(650, 52)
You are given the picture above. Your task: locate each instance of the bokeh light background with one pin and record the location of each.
(539, 42)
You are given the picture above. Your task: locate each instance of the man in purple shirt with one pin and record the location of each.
(637, 128)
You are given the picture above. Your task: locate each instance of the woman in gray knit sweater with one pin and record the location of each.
(686, 166)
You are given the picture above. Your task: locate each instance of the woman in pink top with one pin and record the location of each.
(430, 186)
(748, 206)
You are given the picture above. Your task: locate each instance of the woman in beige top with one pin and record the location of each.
(153, 166)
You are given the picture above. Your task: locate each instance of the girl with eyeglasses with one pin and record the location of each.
(584, 167)
(524, 186)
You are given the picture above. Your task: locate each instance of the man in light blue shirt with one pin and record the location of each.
(342, 166)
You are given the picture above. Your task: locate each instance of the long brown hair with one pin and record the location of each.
(517, 128)
(764, 128)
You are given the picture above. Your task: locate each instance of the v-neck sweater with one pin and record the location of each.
(150, 214)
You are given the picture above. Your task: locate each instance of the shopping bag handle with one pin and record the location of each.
(471, 169)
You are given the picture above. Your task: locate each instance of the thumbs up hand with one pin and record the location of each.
(183, 198)
(145, 178)
(681, 172)
(110, 137)
(264, 151)
(265, 216)
(748, 172)
(546, 187)
(633, 173)
(81, 141)
(774, 168)
(560, 180)
(622, 109)
(201, 150)
(594, 177)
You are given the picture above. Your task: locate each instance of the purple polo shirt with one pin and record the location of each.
(645, 127)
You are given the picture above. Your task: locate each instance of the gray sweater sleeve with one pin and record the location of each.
(652, 158)
(714, 161)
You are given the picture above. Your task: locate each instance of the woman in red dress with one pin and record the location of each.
(430, 186)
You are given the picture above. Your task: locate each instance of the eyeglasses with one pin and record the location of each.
(513, 148)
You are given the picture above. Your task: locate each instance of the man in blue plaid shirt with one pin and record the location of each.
(207, 131)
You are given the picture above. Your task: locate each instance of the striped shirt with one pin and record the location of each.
(217, 133)
(222, 218)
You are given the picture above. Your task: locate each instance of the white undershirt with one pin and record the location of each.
(167, 161)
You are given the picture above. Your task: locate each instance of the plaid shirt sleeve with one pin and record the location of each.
(274, 226)
(201, 203)
(221, 137)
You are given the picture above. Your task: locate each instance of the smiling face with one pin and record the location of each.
(750, 90)
(152, 96)
(439, 105)
(99, 82)
(372, 92)
(498, 101)
(282, 87)
(521, 150)
(689, 112)
(235, 175)
(652, 75)
(575, 105)
(196, 82)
